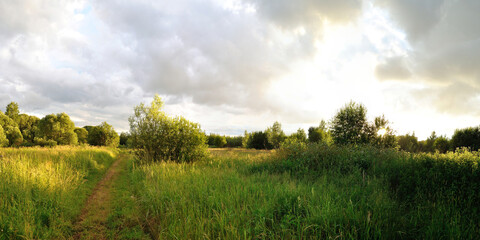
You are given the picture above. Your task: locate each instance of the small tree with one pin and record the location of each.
(275, 135)
(82, 135)
(12, 111)
(102, 135)
(349, 125)
(299, 136)
(11, 131)
(58, 128)
(408, 143)
(124, 139)
(319, 134)
(158, 137)
(441, 144)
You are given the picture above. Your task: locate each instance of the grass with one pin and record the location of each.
(43, 189)
(299, 192)
(305, 192)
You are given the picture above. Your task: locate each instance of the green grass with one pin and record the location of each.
(308, 192)
(43, 190)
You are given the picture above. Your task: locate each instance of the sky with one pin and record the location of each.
(236, 65)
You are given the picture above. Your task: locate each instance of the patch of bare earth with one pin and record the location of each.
(91, 224)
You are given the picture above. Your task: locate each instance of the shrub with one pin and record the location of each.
(158, 137)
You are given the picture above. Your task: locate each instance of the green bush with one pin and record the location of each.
(158, 137)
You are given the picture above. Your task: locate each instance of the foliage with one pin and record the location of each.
(159, 137)
(12, 111)
(11, 130)
(466, 137)
(234, 141)
(124, 139)
(408, 143)
(215, 140)
(387, 139)
(3, 138)
(28, 126)
(350, 126)
(102, 135)
(58, 128)
(319, 134)
(441, 144)
(299, 136)
(275, 135)
(258, 140)
(82, 135)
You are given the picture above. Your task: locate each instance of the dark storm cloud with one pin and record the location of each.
(445, 42)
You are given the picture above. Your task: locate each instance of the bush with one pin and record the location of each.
(58, 128)
(158, 137)
(102, 135)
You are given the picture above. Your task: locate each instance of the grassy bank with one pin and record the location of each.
(311, 192)
(42, 190)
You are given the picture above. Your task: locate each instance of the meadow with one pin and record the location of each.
(43, 190)
(311, 191)
(301, 191)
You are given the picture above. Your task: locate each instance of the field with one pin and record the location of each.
(299, 192)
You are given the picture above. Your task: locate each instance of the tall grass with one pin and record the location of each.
(312, 191)
(42, 190)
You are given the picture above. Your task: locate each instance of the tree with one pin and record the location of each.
(11, 131)
(275, 135)
(467, 137)
(441, 144)
(408, 143)
(124, 139)
(12, 111)
(215, 140)
(82, 135)
(319, 134)
(259, 140)
(102, 135)
(383, 133)
(235, 141)
(58, 128)
(28, 126)
(349, 125)
(299, 136)
(3, 138)
(158, 137)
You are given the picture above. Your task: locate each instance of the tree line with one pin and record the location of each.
(19, 129)
(350, 126)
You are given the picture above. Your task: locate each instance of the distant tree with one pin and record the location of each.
(246, 139)
(12, 111)
(259, 140)
(58, 128)
(215, 140)
(349, 125)
(102, 135)
(382, 133)
(233, 142)
(28, 126)
(319, 134)
(82, 135)
(441, 144)
(408, 143)
(3, 138)
(428, 145)
(299, 136)
(158, 137)
(124, 139)
(467, 137)
(11, 131)
(275, 135)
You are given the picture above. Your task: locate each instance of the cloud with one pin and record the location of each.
(393, 68)
(444, 41)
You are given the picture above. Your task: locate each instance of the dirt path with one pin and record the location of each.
(91, 223)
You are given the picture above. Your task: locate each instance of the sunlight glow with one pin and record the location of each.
(382, 132)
